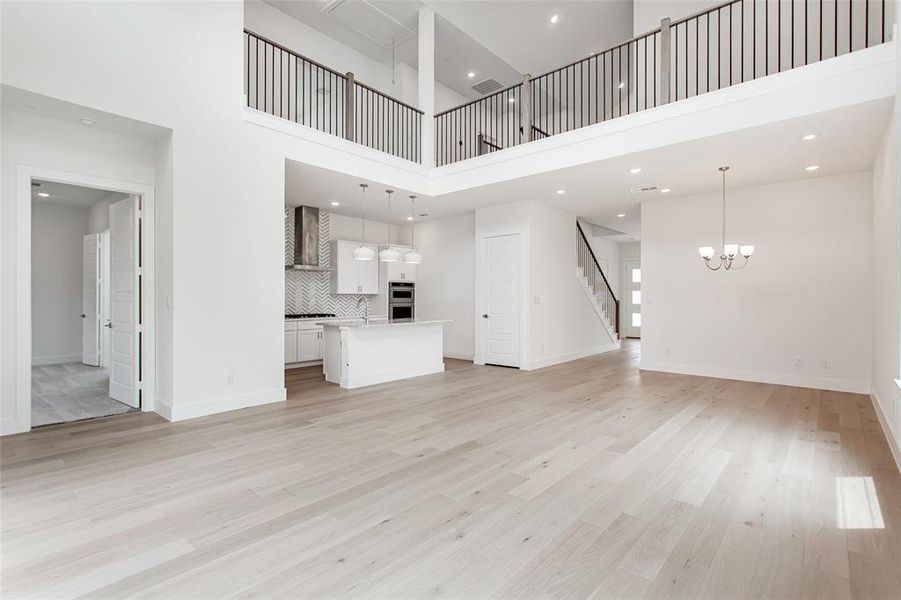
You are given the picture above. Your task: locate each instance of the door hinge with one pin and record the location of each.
(140, 385)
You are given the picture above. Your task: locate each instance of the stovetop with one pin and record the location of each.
(310, 316)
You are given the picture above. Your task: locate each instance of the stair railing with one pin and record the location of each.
(597, 280)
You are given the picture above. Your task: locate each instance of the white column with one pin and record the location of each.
(426, 67)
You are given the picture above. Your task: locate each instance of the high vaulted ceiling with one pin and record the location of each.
(495, 39)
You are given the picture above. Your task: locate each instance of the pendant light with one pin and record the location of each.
(729, 250)
(389, 254)
(412, 256)
(363, 252)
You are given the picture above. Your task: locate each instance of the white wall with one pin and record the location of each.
(806, 292)
(886, 309)
(445, 281)
(56, 281)
(558, 320)
(98, 215)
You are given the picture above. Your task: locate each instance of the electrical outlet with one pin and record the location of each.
(827, 364)
(799, 362)
(536, 300)
(229, 378)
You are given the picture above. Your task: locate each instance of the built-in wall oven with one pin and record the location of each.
(401, 301)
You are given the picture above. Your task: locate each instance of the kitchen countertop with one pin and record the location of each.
(374, 323)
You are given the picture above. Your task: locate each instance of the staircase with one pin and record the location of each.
(596, 286)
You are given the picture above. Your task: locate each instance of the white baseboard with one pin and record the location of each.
(13, 426)
(886, 429)
(541, 363)
(39, 361)
(805, 381)
(375, 378)
(219, 405)
(458, 355)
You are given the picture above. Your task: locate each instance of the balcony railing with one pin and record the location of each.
(734, 42)
(283, 83)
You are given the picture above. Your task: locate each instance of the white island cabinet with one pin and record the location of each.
(357, 354)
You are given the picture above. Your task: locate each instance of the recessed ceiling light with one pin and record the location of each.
(471, 74)
(811, 167)
(561, 192)
(809, 136)
(43, 194)
(621, 85)
(554, 19)
(87, 122)
(409, 218)
(621, 215)
(665, 190)
(511, 100)
(335, 203)
(635, 171)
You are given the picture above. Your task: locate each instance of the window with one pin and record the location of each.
(636, 319)
(636, 297)
(636, 275)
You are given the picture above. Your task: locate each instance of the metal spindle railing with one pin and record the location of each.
(597, 281)
(285, 84)
(734, 42)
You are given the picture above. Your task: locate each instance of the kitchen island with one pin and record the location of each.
(357, 353)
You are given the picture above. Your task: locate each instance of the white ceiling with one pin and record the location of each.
(495, 39)
(520, 33)
(598, 191)
(71, 195)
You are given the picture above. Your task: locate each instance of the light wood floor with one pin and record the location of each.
(583, 480)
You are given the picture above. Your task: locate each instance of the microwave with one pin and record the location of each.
(401, 301)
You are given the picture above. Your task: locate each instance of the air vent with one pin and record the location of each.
(644, 189)
(487, 86)
(365, 19)
(35, 184)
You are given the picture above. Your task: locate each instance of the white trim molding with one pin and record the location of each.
(886, 428)
(817, 383)
(569, 356)
(180, 412)
(40, 361)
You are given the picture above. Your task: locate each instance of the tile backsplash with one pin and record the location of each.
(308, 291)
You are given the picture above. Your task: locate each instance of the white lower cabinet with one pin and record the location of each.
(303, 342)
(290, 343)
(309, 344)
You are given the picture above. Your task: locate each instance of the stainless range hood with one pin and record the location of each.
(306, 240)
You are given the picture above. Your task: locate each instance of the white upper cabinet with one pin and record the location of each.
(400, 271)
(353, 276)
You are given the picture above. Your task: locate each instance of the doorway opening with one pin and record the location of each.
(86, 319)
(500, 289)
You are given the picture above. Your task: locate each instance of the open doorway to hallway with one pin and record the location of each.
(85, 273)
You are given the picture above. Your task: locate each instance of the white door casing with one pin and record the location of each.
(104, 300)
(90, 300)
(501, 299)
(124, 304)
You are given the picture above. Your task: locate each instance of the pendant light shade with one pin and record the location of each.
(363, 252)
(389, 254)
(412, 256)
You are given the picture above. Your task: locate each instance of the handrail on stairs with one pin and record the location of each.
(603, 276)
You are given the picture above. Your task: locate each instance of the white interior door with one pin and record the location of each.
(124, 302)
(90, 300)
(632, 301)
(501, 285)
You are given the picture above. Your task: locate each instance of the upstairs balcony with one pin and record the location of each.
(729, 44)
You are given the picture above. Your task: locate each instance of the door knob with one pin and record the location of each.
(485, 316)
(110, 325)
(83, 316)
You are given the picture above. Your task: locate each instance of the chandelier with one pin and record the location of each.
(730, 251)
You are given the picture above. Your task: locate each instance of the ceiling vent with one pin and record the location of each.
(644, 189)
(487, 86)
(365, 19)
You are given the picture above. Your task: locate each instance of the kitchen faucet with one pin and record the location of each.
(365, 301)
